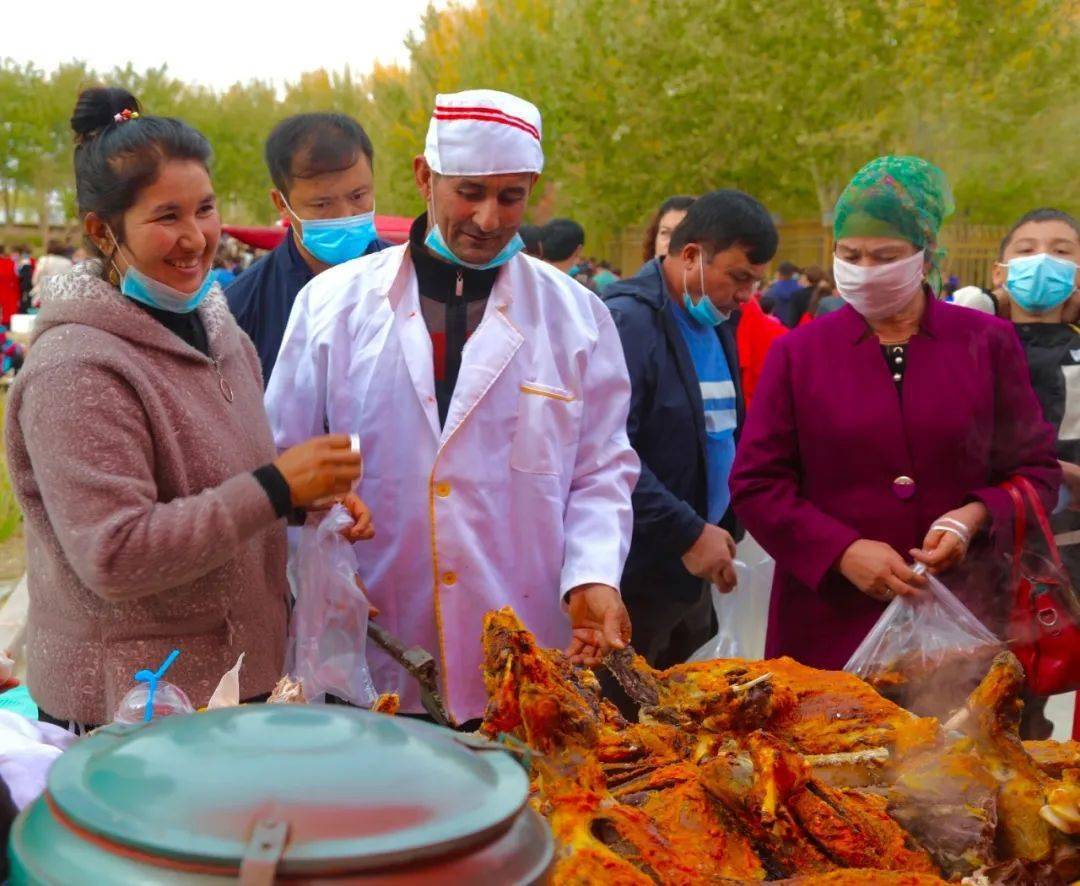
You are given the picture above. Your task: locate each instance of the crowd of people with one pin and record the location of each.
(561, 242)
(590, 461)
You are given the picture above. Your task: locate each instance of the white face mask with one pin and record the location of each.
(879, 291)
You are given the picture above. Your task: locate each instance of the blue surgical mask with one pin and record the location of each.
(153, 293)
(141, 288)
(704, 311)
(437, 244)
(1039, 283)
(336, 240)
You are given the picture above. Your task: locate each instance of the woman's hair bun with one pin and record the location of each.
(97, 107)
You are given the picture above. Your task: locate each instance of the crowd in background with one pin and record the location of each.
(631, 439)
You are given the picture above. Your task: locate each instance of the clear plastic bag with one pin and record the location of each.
(926, 653)
(329, 624)
(726, 643)
(743, 614)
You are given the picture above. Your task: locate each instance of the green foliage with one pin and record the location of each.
(645, 98)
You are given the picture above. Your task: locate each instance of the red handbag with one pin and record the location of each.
(1044, 623)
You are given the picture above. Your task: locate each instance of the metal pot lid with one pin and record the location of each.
(355, 790)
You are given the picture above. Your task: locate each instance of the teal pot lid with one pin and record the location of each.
(354, 790)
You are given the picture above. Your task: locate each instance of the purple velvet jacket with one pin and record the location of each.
(828, 437)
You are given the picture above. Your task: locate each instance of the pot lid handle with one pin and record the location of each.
(263, 852)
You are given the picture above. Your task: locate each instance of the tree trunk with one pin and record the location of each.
(5, 238)
(43, 217)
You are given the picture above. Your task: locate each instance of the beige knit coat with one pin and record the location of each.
(145, 528)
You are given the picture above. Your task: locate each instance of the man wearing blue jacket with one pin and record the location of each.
(674, 318)
(322, 167)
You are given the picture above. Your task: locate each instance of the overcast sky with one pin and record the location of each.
(213, 42)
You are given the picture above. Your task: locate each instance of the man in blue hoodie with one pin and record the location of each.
(675, 320)
(322, 167)
(781, 295)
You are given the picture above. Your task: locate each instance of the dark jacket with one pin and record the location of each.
(666, 426)
(263, 295)
(1053, 356)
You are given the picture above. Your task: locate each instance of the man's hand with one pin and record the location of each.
(711, 558)
(878, 571)
(362, 529)
(599, 621)
(946, 544)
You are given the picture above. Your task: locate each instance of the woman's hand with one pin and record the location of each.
(878, 571)
(319, 468)
(947, 542)
(362, 529)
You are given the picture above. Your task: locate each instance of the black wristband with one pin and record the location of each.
(277, 490)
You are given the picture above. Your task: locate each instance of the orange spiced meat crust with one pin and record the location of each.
(743, 771)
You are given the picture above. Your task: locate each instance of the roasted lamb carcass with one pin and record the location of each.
(731, 774)
(1062, 808)
(753, 812)
(1054, 757)
(537, 694)
(663, 828)
(991, 720)
(819, 712)
(387, 703)
(946, 799)
(800, 825)
(1031, 828)
(864, 878)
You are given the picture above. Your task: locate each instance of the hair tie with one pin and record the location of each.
(125, 115)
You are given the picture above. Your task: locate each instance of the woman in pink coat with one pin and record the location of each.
(879, 433)
(140, 453)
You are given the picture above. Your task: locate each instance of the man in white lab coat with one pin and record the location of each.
(490, 394)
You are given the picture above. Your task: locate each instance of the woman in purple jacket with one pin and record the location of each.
(881, 432)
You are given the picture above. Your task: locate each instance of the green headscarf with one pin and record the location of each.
(903, 197)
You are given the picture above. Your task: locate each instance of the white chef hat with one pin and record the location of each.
(484, 132)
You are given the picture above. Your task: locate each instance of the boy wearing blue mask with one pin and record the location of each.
(322, 169)
(1037, 269)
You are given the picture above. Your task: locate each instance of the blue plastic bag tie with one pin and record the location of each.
(151, 678)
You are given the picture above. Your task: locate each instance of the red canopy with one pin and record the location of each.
(394, 228)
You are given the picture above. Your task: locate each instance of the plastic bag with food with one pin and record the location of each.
(330, 619)
(926, 653)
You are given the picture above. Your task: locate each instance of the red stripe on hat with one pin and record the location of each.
(524, 127)
(487, 115)
(485, 111)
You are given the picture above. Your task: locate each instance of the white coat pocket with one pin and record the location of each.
(547, 424)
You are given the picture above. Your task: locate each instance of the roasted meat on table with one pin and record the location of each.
(1054, 757)
(819, 712)
(747, 771)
